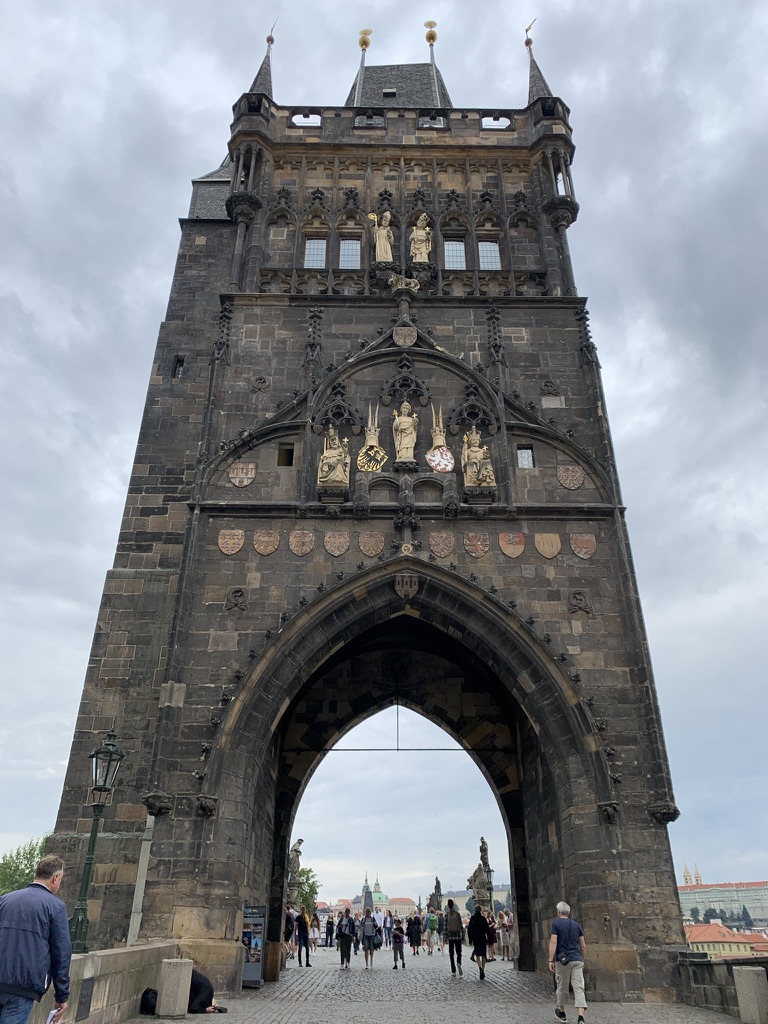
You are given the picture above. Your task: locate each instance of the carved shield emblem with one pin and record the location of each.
(266, 541)
(441, 543)
(371, 544)
(336, 542)
(406, 585)
(477, 544)
(230, 541)
(571, 477)
(404, 337)
(242, 473)
(301, 542)
(583, 544)
(371, 459)
(547, 544)
(512, 544)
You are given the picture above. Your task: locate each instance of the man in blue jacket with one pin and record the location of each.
(34, 944)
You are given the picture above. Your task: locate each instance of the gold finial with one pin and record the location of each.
(528, 40)
(364, 41)
(270, 37)
(431, 35)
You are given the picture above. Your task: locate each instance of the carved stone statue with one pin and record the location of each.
(483, 852)
(294, 859)
(397, 282)
(438, 894)
(476, 462)
(335, 460)
(478, 883)
(383, 237)
(404, 427)
(420, 240)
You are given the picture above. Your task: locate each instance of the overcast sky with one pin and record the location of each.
(107, 110)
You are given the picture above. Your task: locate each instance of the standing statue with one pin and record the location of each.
(478, 883)
(476, 462)
(484, 852)
(294, 860)
(404, 427)
(438, 894)
(382, 236)
(420, 240)
(335, 460)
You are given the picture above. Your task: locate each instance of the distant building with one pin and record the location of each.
(717, 941)
(402, 906)
(728, 896)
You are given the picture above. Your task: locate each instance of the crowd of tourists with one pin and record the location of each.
(430, 932)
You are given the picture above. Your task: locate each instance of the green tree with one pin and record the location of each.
(695, 915)
(746, 919)
(309, 886)
(17, 868)
(709, 913)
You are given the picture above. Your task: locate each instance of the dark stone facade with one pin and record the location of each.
(251, 618)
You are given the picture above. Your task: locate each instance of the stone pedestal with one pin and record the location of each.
(173, 988)
(752, 993)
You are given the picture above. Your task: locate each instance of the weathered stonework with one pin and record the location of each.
(248, 621)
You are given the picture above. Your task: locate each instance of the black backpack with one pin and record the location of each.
(148, 1004)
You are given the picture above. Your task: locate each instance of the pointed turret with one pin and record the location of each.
(398, 85)
(537, 83)
(262, 83)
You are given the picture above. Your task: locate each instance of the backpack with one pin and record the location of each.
(433, 922)
(453, 923)
(148, 1004)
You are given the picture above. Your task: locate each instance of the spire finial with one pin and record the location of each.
(528, 40)
(364, 41)
(431, 35)
(271, 37)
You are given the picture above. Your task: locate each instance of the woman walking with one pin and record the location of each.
(330, 928)
(492, 938)
(389, 924)
(413, 929)
(502, 935)
(314, 932)
(302, 934)
(345, 933)
(370, 931)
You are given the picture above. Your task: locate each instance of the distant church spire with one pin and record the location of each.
(262, 83)
(687, 880)
(697, 876)
(537, 83)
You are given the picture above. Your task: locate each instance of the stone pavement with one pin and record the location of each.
(426, 990)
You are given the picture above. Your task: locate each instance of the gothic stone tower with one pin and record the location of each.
(375, 468)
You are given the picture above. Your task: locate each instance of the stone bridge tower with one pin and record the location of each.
(375, 468)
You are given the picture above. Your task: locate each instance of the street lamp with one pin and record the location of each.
(489, 877)
(105, 763)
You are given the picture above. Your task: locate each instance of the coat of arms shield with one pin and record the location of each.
(547, 544)
(441, 543)
(583, 544)
(370, 543)
(230, 541)
(404, 337)
(477, 544)
(336, 542)
(242, 473)
(266, 541)
(406, 585)
(512, 544)
(301, 542)
(571, 477)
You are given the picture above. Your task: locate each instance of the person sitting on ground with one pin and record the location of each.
(201, 995)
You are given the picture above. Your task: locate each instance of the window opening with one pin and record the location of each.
(349, 253)
(285, 455)
(490, 257)
(389, 94)
(525, 458)
(178, 368)
(314, 253)
(455, 257)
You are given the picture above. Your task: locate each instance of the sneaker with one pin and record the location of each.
(560, 1014)
(460, 970)
(581, 1019)
(482, 975)
(394, 968)
(453, 970)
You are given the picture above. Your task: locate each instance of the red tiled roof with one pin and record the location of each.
(723, 885)
(711, 933)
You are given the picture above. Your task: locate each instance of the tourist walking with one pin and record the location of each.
(567, 949)
(479, 935)
(413, 930)
(370, 931)
(441, 930)
(431, 931)
(454, 933)
(345, 933)
(502, 935)
(492, 939)
(288, 929)
(34, 944)
(330, 928)
(314, 932)
(388, 926)
(398, 943)
(357, 932)
(302, 934)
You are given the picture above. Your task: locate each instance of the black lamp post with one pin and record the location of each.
(105, 763)
(489, 876)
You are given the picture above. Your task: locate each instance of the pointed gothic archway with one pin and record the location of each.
(466, 662)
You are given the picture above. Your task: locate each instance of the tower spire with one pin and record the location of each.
(363, 42)
(431, 37)
(262, 83)
(537, 83)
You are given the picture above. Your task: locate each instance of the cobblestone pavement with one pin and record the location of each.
(426, 990)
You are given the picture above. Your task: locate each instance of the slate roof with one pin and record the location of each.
(537, 83)
(263, 81)
(414, 85)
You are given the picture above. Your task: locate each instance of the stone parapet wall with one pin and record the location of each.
(117, 976)
(710, 983)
